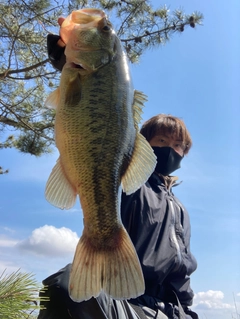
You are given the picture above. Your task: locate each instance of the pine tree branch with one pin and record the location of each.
(2, 171)
(30, 127)
(25, 75)
(174, 27)
(29, 77)
(29, 68)
(35, 127)
(10, 122)
(129, 15)
(12, 48)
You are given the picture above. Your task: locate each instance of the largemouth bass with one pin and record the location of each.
(101, 153)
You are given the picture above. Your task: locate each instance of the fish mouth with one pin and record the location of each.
(72, 65)
(77, 66)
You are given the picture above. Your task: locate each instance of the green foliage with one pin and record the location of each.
(18, 296)
(26, 76)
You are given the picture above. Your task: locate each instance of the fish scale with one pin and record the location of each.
(101, 152)
(92, 132)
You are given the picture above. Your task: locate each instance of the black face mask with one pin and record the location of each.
(168, 160)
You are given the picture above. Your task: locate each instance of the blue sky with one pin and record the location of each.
(195, 76)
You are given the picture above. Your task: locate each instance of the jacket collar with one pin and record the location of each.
(167, 181)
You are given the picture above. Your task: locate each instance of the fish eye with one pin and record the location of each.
(106, 28)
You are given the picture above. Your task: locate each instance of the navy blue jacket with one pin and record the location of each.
(159, 227)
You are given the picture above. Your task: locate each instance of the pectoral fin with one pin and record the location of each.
(53, 99)
(73, 92)
(59, 192)
(142, 165)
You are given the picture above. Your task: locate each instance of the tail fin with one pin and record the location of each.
(117, 271)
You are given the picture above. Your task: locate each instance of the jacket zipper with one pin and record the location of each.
(173, 235)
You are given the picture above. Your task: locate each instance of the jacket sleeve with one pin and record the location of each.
(55, 292)
(181, 286)
(60, 306)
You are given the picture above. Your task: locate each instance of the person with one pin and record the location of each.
(159, 227)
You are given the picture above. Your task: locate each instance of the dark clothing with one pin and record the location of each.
(61, 305)
(159, 227)
(160, 230)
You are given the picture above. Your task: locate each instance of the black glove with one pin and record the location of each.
(191, 313)
(55, 51)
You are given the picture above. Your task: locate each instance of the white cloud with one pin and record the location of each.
(7, 269)
(210, 300)
(7, 242)
(44, 252)
(9, 230)
(50, 241)
(238, 294)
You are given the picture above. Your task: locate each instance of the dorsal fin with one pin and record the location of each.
(143, 159)
(138, 104)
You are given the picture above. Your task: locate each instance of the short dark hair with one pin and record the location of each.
(169, 125)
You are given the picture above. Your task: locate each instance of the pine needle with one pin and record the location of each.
(18, 296)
